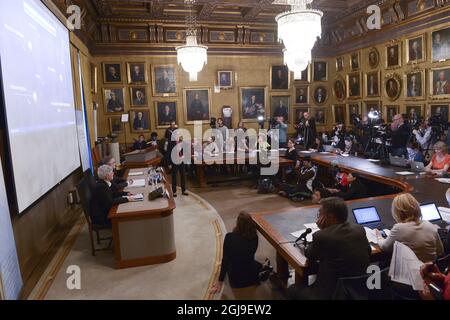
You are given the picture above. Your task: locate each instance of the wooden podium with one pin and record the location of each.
(142, 158)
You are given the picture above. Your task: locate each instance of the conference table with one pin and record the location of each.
(143, 232)
(277, 226)
(234, 158)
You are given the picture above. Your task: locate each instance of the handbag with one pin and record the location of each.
(155, 194)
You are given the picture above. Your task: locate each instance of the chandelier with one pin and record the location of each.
(192, 56)
(299, 29)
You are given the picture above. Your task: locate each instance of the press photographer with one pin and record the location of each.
(400, 135)
(423, 134)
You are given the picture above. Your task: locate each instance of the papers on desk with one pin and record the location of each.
(345, 155)
(306, 151)
(312, 226)
(443, 180)
(137, 173)
(404, 173)
(445, 213)
(405, 266)
(138, 183)
(138, 197)
(371, 235)
(374, 160)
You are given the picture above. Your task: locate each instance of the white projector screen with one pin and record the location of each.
(39, 98)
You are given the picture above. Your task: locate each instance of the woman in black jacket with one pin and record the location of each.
(238, 259)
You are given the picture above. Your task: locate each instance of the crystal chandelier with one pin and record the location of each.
(299, 29)
(192, 56)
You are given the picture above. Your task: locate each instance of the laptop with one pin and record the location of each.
(328, 148)
(431, 213)
(417, 166)
(397, 161)
(368, 217)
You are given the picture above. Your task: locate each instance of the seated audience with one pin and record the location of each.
(337, 136)
(140, 144)
(319, 194)
(415, 152)
(440, 162)
(305, 182)
(103, 197)
(349, 146)
(153, 139)
(291, 152)
(356, 189)
(318, 145)
(340, 248)
(420, 236)
(238, 261)
(431, 274)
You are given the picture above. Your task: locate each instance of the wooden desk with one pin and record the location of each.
(277, 226)
(143, 232)
(232, 159)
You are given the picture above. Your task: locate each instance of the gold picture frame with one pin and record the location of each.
(443, 54)
(163, 122)
(319, 78)
(189, 114)
(392, 86)
(339, 85)
(146, 120)
(162, 87)
(421, 51)
(133, 78)
(411, 111)
(245, 93)
(355, 61)
(108, 78)
(285, 78)
(324, 96)
(377, 105)
(393, 55)
(444, 113)
(339, 116)
(434, 89)
(373, 58)
(225, 83)
(353, 108)
(340, 64)
(121, 98)
(280, 97)
(351, 86)
(409, 92)
(138, 102)
(320, 114)
(370, 92)
(94, 78)
(112, 124)
(304, 98)
(387, 114)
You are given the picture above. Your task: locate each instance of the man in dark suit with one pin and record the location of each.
(401, 133)
(355, 190)
(113, 75)
(140, 123)
(137, 75)
(341, 249)
(309, 130)
(139, 99)
(103, 197)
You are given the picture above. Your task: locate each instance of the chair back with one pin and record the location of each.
(356, 288)
(84, 189)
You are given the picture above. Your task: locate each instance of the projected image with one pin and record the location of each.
(140, 121)
(114, 100)
(112, 72)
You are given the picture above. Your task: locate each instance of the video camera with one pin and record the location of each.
(438, 125)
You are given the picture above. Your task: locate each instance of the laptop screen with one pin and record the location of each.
(430, 212)
(366, 215)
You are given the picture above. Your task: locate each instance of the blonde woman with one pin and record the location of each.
(419, 235)
(440, 162)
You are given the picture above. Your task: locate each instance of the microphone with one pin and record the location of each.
(303, 235)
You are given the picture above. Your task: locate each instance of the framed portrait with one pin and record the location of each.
(140, 120)
(252, 103)
(298, 113)
(415, 112)
(320, 71)
(165, 113)
(280, 77)
(340, 64)
(138, 97)
(137, 72)
(415, 85)
(339, 115)
(354, 85)
(280, 106)
(320, 114)
(440, 44)
(94, 77)
(306, 75)
(390, 112)
(339, 90)
(440, 83)
(113, 99)
(372, 81)
(355, 61)
(415, 49)
(373, 58)
(164, 80)
(225, 79)
(197, 105)
(392, 86)
(353, 110)
(302, 95)
(112, 72)
(393, 56)
(372, 106)
(116, 125)
(439, 110)
(320, 95)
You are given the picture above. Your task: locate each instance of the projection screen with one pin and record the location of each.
(39, 98)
